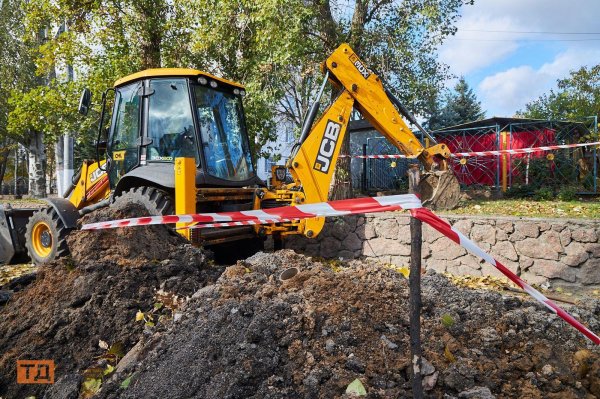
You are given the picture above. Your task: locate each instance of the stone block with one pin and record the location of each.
(403, 219)
(470, 261)
(565, 237)
(382, 246)
(551, 269)
(525, 262)
(537, 249)
(462, 270)
(506, 226)
(366, 231)
(437, 265)
(339, 228)
(527, 229)
(430, 234)
(590, 272)
(593, 249)
(532, 278)
(584, 235)
(360, 221)
(464, 226)
(404, 234)
(544, 226)
(330, 247)
(505, 249)
(345, 254)
(400, 260)
(312, 249)
(483, 233)
(386, 228)
(352, 242)
(575, 254)
(444, 249)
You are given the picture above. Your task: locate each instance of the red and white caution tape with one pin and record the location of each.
(273, 215)
(345, 207)
(483, 153)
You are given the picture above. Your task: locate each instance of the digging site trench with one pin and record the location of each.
(139, 313)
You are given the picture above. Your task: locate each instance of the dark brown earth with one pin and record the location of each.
(95, 295)
(246, 334)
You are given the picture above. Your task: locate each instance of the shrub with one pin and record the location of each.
(567, 194)
(543, 194)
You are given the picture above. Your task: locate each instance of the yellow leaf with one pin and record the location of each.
(139, 316)
(448, 355)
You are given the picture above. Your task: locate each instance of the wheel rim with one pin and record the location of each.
(42, 239)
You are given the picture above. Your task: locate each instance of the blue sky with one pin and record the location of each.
(505, 63)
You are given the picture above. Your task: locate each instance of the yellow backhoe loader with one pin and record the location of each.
(178, 142)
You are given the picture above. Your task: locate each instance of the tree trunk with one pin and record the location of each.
(37, 166)
(4, 151)
(341, 185)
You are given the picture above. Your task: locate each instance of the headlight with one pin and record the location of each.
(202, 80)
(236, 91)
(213, 84)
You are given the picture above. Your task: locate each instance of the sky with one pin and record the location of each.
(508, 65)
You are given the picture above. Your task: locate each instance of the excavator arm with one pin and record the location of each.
(313, 162)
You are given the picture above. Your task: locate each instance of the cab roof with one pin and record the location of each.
(172, 72)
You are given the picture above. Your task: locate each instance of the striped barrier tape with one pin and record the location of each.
(482, 153)
(346, 207)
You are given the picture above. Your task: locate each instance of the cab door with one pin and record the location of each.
(123, 148)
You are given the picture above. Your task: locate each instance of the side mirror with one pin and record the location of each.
(85, 101)
(101, 145)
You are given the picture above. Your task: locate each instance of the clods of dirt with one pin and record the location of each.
(252, 335)
(86, 311)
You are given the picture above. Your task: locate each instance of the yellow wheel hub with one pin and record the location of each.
(42, 239)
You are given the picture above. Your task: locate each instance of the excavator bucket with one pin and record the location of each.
(12, 234)
(439, 190)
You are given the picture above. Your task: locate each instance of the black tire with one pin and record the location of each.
(155, 201)
(45, 236)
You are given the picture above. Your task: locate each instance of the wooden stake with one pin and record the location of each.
(414, 280)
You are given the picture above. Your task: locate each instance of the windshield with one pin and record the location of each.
(224, 138)
(170, 124)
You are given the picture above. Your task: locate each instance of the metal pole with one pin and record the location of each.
(414, 281)
(16, 168)
(363, 180)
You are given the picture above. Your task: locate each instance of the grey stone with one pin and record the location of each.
(461, 270)
(470, 261)
(551, 269)
(354, 364)
(345, 254)
(537, 249)
(313, 249)
(483, 234)
(388, 343)
(593, 249)
(429, 381)
(489, 270)
(330, 247)
(505, 226)
(439, 266)
(525, 262)
(565, 237)
(404, 234)
(403, 219)
(445, 249)
(459, 375)
(489, 335)
(400, 260)
(360, 221)
(381, 246)
(426, 367)
(340, 228)
(527, 229)
(352, 242)
(430, 234)
(366, 231)
(506, 250)
(590, 272)
(387, 228)
(575, 254)
(464, 226)
(584, 235)
(544, 226)
(329, 345)
(477, 393)
(532, 278)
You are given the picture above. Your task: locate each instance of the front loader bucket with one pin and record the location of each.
(13, 223)
(439, 190)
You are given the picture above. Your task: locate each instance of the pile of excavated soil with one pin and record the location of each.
(251, 335)
(74, 303)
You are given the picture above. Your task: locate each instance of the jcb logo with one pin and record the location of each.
(95, 175)
(327, 147)
(359, 65)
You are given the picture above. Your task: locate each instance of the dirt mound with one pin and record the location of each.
(75, 303)
(132, 246)
(253, 336)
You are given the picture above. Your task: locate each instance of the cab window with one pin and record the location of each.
(170, 124)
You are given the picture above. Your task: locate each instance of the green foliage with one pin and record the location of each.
(519, 191)
(577, 97)
(447, 320)
(543, 194)
(567, 193)
(456, 107)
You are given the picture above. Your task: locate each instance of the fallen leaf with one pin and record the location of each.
(126, 382)
(356, 388)
(109, 369)
(448, 355)
(139, 316)
(90, 387)
(447, 320)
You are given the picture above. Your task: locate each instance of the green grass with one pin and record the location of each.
(530, 208)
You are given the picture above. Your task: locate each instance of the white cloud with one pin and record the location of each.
(503, 93)
(469, 51)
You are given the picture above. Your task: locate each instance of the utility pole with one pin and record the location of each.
(414, 281)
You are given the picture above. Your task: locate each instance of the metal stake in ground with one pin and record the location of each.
(416, 239)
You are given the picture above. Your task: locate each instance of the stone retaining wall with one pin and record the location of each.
(559, 251)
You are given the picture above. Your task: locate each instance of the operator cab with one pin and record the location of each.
(162, 114)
